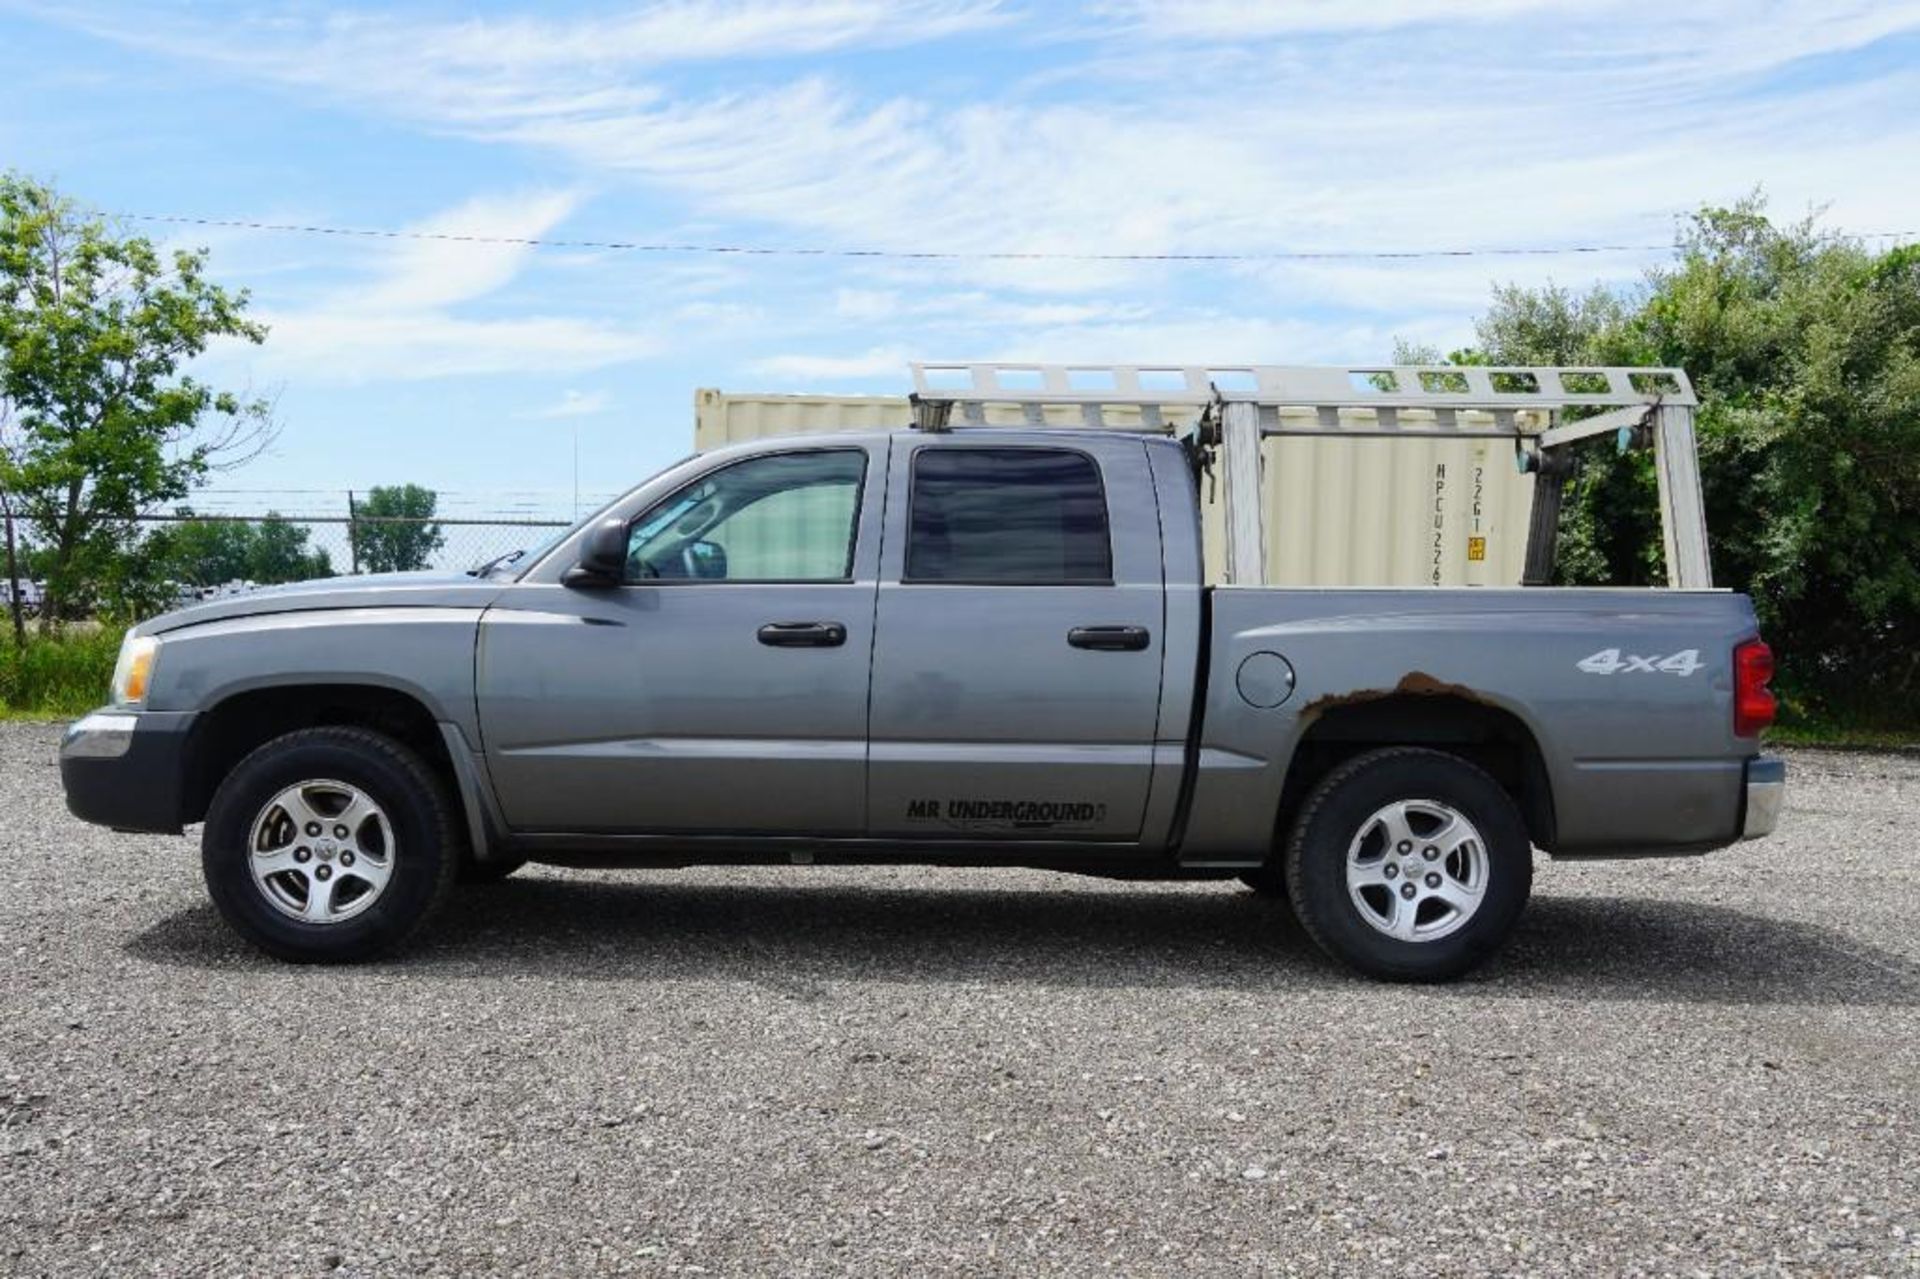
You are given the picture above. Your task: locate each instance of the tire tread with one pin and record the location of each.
(1295, 847)
(440, 817)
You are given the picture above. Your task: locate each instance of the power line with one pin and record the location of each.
(440, 492)
(938, 255)
(228, 517)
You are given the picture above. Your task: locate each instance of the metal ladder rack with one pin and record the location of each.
(1236, 405)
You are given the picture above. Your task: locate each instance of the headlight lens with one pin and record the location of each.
(134, 671)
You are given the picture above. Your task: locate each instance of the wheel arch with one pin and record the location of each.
(244, 720)
(1491, 737)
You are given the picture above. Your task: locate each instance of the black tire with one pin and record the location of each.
(427, 843)
(1340, 810)
(474, 873)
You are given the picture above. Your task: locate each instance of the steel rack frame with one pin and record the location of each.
(1232, 407)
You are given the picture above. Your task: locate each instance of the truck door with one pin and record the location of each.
(722, 688)
(1017, 642)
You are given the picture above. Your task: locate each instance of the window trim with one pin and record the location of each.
(847, 578)
(913, 498)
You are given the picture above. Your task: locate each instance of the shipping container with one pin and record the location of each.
(1345, 512)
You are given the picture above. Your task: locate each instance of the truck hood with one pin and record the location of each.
(374, 590)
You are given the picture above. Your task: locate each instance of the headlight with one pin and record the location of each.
(134, 671)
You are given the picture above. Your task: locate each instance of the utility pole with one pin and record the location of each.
(353, 542)
(13, 575)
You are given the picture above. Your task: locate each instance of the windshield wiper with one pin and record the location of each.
(498, 561)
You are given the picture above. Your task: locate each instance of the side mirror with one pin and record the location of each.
(604, 562)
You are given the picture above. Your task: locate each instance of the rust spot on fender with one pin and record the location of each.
(1413, 684)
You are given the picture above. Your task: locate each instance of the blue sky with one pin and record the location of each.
(1143, 126)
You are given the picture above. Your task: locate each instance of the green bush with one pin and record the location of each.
(1805, 350)
(64, 673)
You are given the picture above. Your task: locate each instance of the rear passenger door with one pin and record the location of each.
(1017, 642)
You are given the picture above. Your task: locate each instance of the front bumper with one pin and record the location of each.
(127, 769)
(1766, 794)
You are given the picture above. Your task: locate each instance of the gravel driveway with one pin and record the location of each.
(1691, 1066)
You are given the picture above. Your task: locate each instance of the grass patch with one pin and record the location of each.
(1852, 737)
(1867, 723)
(56, 676)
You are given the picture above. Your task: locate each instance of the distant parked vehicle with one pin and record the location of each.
(226, 590)
(31, 596)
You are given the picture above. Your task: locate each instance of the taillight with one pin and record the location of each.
(1753, 704)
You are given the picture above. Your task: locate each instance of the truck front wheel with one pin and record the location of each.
(1409, 864)
(329, 845)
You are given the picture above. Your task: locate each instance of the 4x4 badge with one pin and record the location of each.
(1609, 661)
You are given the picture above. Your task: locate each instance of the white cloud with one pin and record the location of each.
(972, 309)
(1213, 337)
(866, 304)
(689, 30)
(337, 342)
(493, 71)
(1239, 20)
(722, 317)
(1439, 285)
(1188, 336)
(1718, 37)
(1514, 121)
(1317, 125)
(402, 324)
(439, 272)
(879, 361)
(574, 403)
(1352, 155)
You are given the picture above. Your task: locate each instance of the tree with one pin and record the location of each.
(1805, 349)
(393, 529)
(209, 552)
(97, 420)
(1609, 524)
(197, 553)
(280, 553)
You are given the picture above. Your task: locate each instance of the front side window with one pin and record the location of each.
(1018, 516)
(788, 517)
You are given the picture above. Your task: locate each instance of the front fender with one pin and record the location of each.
(426, 653)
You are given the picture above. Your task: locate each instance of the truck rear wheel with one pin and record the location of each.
(1409, 864)
(329, 845)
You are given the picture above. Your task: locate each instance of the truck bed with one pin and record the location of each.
(1621, 698)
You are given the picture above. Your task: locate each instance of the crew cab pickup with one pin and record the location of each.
(982, 648)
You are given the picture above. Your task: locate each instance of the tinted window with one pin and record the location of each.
(790, 517)
(1007, 515)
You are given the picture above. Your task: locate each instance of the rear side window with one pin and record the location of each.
(1026, 517)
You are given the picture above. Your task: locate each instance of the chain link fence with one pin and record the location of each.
(217, 546)
(376, 544)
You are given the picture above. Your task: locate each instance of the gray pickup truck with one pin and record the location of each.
(946, 648)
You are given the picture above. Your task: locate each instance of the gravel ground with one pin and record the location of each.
(1679, 1067)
